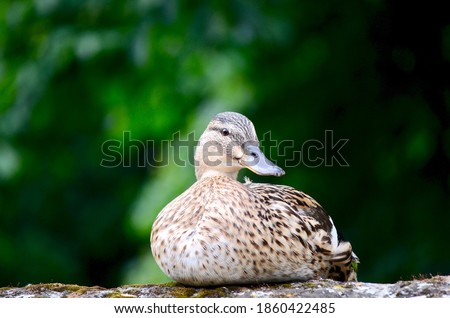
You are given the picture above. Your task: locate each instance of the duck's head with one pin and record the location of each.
(229, 144)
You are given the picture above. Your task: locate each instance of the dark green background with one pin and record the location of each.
(75, 74)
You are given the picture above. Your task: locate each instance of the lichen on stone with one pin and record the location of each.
(438, 286)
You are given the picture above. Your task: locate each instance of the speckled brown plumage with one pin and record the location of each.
(221, 231)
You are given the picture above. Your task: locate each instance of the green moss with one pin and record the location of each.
(348, 285)
(182, 292)
(355, 265)
(211, 293)
(55, 287)
(70, 288)
(172, 284)
(117, 294)
(137, 285)
(339, 286)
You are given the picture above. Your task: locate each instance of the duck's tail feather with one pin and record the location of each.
(344, 263)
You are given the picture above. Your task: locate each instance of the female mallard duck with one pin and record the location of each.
(220, 231)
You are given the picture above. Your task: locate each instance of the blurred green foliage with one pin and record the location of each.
(76, 73)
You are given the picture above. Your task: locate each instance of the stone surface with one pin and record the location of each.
(438, 286)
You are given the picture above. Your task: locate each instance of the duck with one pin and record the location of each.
(221, 231)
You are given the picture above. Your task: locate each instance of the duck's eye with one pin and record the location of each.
(225, 132)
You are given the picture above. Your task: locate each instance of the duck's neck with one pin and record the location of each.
(212, 164)
(201, 173)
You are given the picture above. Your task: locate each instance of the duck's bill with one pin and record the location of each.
(255, 160)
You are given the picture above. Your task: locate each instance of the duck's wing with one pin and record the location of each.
(287, 199)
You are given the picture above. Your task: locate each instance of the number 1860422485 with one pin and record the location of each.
(298, 308)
